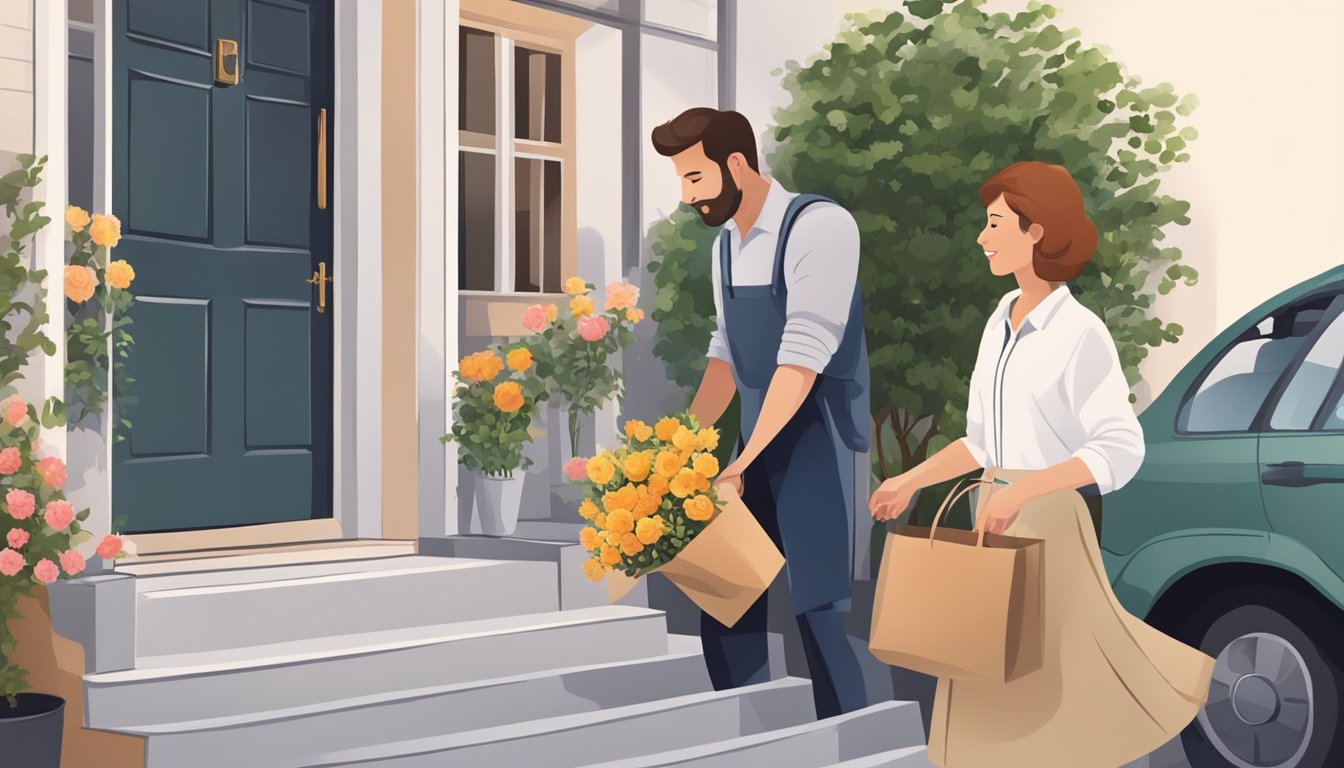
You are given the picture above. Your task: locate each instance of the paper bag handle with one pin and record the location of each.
(956, 493)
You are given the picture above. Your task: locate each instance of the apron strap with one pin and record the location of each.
(796, 206)
(726, 262)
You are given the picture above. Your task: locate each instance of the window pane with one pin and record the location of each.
(537, 95)
(1305, 394)
(476, 87)
(476, 221)
(696, 17)
(1232, 393)
(537, 226)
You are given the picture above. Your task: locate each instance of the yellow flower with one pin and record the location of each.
(647, 504)
(688, 481)
(708, 439)
(120, 274)
(666, 428)
(588, 510)
(80, 283)
(700, 508)
(621, 296)
(588, 538)
(621, 521)
(611, 555)
(668, 463)
(649, 530)
(624, 499)
(706, 465)
(509, 397)
(552, 312)
(581, 306)
(575, 286)
(594, 569)
(481, 366)
(683, 439)
(634, 315)
(658, 486)
(637, 466)
(76, 217)
(601, 470)
(630, 544)
(600, 520)
(519, 359)
(105, 230)
(632, 428)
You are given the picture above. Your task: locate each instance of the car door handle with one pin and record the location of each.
(1297, 474)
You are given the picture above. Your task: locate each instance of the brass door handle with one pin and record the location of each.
(322, 159)
(320, 278)
(226, 61)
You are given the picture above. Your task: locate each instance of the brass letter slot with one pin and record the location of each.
(322, 159)
(226, 61)
(320, 278)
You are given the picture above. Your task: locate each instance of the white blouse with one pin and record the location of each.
(1050, 391)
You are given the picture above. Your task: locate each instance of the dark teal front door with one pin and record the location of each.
(216, 186)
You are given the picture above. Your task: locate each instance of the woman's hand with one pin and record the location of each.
(892, 497)
(1000, 510)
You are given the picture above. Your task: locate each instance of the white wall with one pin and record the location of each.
(675, 77)
(16, 77)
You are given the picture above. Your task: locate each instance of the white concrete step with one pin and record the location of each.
(574, 740)
(549, 530)
(201, 686)
(892, 725)
(909, 757)
(216, 610)
(292, 735)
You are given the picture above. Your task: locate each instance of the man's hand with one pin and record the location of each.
(732, 476)
(892, 498)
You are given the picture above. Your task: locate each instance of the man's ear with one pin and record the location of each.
(737, 163)
(1036, 231)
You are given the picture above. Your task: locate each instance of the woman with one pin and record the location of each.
(1049, 412)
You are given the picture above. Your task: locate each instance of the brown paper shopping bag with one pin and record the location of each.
(724, 569)
(959, 604)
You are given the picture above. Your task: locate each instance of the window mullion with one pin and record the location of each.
(504, 253)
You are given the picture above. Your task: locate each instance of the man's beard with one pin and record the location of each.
(721, 208)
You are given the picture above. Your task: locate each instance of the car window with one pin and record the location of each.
(1306, 391)
(1233, 391)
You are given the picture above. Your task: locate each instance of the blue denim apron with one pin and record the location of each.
(806, 474)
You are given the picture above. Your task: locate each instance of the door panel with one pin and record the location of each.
(216, 188)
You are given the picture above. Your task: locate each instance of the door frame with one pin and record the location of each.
(357, 191)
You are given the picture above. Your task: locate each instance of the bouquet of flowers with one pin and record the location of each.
(651, 506)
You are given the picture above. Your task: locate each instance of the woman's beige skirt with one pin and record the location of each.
(1111, 690)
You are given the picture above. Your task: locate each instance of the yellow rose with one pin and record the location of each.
(120, 274)
(708, 439)
(658, 486)
(631, 545)
(519, 359)
(666, 428)
(634, 315)
(620, 521)
(611, 555)
(686, 483)
(649, 530)
(575, 286)
(668, 463)
(601, 470)
(481, 366)
(683, 439)
(581, 306)
(594, 569)
(647, 504)
(80, 283)
(700, 508)
(637, 466)
(509, 397)
(588, 510)
(632, 428)
(588, 538)
(105, 230)
(706, 465)
(77, 218)
(624, 498)
(552, 312)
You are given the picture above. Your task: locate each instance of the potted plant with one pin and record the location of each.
(492, 419)
(40, 528)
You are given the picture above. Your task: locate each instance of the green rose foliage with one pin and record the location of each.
(90, 326)
(491, 441)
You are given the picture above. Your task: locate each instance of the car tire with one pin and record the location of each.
(1302, 642)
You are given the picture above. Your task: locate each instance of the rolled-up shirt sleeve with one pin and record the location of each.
(821, 269)
(718, 338)
(1095, 387)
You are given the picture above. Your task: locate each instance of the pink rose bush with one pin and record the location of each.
(60, 514)
(11, 563)
(576, 469)
(16, 538)
(52, 471)
(593, 328)
(11, 461)
(20, 504)
(109, 547)
(46, 571)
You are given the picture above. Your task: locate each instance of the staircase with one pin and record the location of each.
(424, 660)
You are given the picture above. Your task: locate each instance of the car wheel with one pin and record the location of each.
(1274, 701)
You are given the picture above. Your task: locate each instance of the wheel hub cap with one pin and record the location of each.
(1259, 711)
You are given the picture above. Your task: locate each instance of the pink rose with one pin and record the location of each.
(72, 562)
(59, 514)
(21, 504)
(10, 461)
(593, 327)
(46, 571)
(109, 547)
(576, 469)
(52, 471)
(16, 411)
(11, 562)
(534, 319)
(17, 537)
(621, 295)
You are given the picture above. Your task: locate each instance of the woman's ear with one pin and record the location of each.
(1036, 232)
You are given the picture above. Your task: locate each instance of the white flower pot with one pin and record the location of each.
(497, 502)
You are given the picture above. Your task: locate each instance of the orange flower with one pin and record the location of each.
(706, 465)
(611, 555)
(105, 230)
(575, 286)
(621, 521)
(481, 366)
(708, 439)
(552, 312)
(601, 470)
(120, 274)
(623, 499)
(649, 530)
(637, 466)
(80, 283)
(666, 428)
(588, 538)
(77, 218)
(509, 397)
(582, 306)
(634, 315)
(668, 463)
(520, 359)
(687, 482)
(658, 486)
(683, 439)
(594, 569)
(600, 520)
(588, 510)
(633, 428)
(631, 545)
(699, 508)
(647, 504)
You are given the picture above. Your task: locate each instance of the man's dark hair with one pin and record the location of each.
(723, 133)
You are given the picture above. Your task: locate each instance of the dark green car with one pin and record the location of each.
(1231, 537)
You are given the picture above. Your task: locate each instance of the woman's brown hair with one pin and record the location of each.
(1045, 194)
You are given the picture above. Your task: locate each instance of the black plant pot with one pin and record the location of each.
(31, 732)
